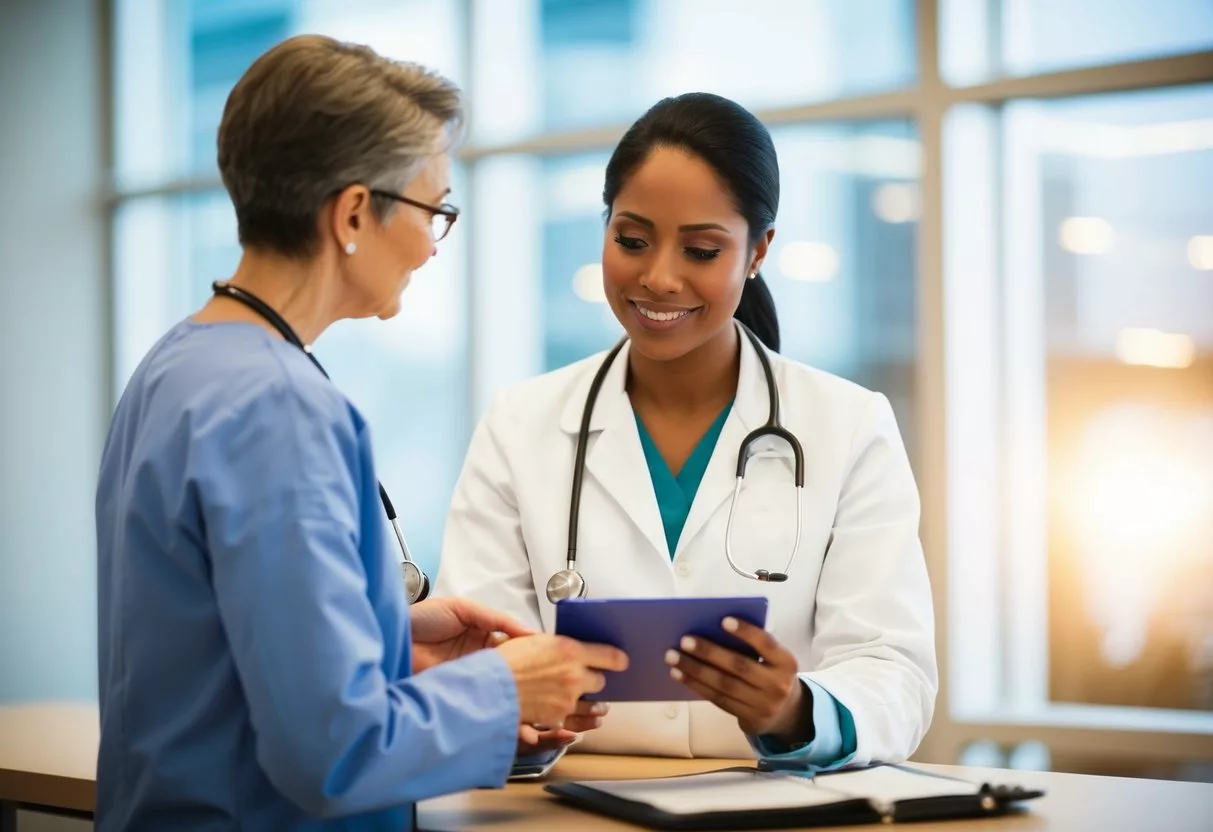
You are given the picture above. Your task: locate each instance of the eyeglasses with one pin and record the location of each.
(443, 216)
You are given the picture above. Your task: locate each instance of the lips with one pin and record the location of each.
(661, 317)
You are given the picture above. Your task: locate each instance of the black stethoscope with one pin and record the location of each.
(568, 582)
(416, 583)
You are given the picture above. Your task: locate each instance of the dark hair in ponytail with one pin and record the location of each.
(738, 147)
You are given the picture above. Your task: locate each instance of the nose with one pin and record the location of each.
(662, 277)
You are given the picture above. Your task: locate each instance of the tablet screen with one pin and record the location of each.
(645, 628)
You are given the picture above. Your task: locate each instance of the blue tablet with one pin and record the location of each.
(645, 628)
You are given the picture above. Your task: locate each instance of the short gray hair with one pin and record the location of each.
(314, 115)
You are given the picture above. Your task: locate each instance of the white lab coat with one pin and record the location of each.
(856, 608)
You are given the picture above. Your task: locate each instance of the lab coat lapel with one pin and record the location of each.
(749, 412)
(615, 457)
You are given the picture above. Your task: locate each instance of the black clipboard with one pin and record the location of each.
(987, 801)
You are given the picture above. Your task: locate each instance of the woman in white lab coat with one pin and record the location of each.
(848, 674)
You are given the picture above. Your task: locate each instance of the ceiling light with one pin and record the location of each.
(1085, 235)
(1154, 348)
(896, 203)
(813, 262)
(587, 283)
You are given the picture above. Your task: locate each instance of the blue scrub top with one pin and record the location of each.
(254, 645)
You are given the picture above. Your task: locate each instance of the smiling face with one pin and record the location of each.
(676, 255)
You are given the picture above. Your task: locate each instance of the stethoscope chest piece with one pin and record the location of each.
(416, 584)
(565, 584)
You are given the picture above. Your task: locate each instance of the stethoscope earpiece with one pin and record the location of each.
(770, 577)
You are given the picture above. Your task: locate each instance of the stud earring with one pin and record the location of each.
(753, 275)
(350, 247)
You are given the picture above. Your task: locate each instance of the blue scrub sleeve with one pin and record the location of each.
(833, 742)
(281, 507)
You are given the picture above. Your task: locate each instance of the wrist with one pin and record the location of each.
(796, 728)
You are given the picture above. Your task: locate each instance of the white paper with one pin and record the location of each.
(724, 791)
(740, 791)
(888, 784)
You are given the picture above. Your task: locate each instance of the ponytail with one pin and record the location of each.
(757, 312)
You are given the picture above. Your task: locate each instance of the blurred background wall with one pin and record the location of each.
(996, 212)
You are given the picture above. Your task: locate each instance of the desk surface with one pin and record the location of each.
(48, 757)
(1073, 802)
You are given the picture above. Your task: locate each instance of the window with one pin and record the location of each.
(175, 63)
(842, 266)
(631, 53)
(981, 40)
(1039, 35)
(1099, 435)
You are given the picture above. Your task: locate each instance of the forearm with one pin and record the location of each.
(449, 729)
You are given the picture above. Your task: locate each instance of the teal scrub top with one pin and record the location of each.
(675, 494)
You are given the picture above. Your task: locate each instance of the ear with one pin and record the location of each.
(760, 251)
(350, 215)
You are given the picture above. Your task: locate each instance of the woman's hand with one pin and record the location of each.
(536, 739)
(444, 629)
(767, 697)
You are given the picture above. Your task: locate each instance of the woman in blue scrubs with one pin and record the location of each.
(259, 665)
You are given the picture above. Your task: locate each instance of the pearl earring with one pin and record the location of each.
(753, 275)
(350, 247)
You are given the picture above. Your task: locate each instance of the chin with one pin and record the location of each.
(391, 308)
(661, 347)
(388, 312)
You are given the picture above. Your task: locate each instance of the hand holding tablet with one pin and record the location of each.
(645, 628)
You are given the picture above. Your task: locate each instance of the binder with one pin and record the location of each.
(748, 798)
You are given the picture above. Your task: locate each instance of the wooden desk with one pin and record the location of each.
(48, 760)
(1073, 802)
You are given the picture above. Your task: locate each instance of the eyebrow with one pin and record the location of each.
(700, 226)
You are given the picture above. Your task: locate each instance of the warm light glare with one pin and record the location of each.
(1200, 252)
(1139, 496)
(814, 262)
(1085, 235)
(895, 203)
(1154, 348)
(587, 283)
